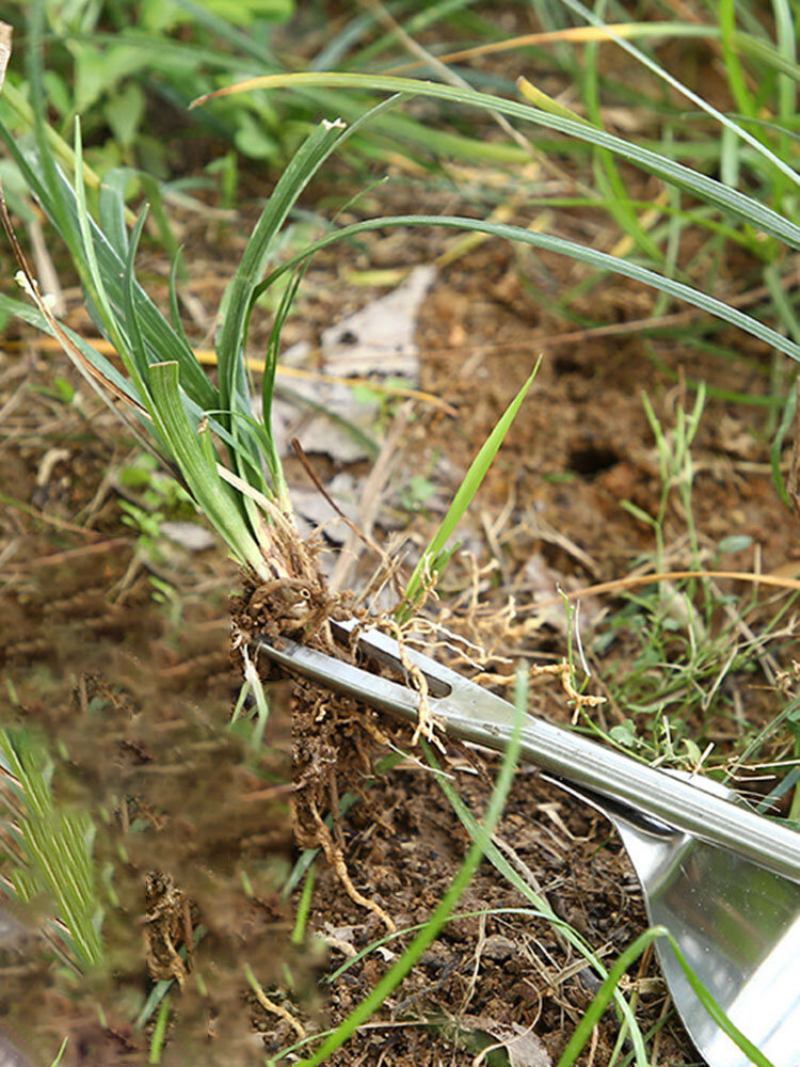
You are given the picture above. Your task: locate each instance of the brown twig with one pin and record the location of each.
(635, 580)
(70, 554)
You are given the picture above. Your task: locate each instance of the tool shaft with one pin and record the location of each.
(669, 800)
(474, 714)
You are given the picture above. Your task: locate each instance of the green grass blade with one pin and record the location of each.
(159, 338)
(583, 1031)
(60, 203)
(238, 298)
(55, 848)
(600, 260)
(91, 277)
(159, 1033)
(137, 362)
(237, 302)
(788, 420)
(387, 130)
(60, 1054)
(715, 1011)
(246, 44)
(50, 184)
(31, 315)
(111, 209)
(737, 82)
(194, 454)
(723, 119)
(430, 562)
(754, 47)
(744, 207)
(786, 34)
(609, 180)
(271, 453)
(174, 305)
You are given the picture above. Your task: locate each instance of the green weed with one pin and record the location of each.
(48, 850)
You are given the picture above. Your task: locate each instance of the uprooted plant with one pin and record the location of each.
(216, 442)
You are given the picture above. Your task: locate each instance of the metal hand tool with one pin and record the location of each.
(724, 880)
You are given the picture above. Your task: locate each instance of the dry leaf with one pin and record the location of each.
(379, 339)
(189, 535)
(5, 50)
(521, 1045)
(310, 505)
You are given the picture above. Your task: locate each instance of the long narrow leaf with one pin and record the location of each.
(238, 298)
(54, 848)
(728, 199)
(21, 310)
(60, 205)
(724, 120)
(600, 260)
(198, 467)
(429, 560)
(238, 302)
(666, 30)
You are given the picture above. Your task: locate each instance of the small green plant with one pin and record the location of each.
(417, 493)
(676, 472)
(438, 552)
(48, 850)
(147, 525)
(167, 595)
(60, 389)
(155, 499)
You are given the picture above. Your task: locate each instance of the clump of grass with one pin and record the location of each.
(225, 454)
(48, 850)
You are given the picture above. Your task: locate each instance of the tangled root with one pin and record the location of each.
(332, 736)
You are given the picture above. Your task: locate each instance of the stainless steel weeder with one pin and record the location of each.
(724, 880)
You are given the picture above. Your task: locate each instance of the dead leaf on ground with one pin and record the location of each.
(379, 339)
(313, 510)
(543, 583)
(521, 1045)
(5, 50)
(189, 535)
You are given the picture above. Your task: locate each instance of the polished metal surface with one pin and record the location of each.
(472, 713)
(722, 879)
(737, 924)
(10, 1055)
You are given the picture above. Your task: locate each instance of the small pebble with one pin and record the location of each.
(498, 948)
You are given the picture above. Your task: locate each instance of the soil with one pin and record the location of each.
(196, 825)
